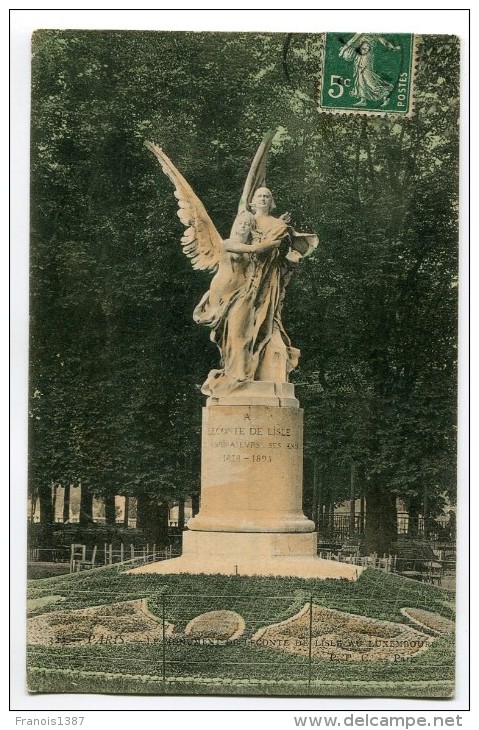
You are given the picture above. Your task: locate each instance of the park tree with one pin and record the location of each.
(113, 348)
(380, 386)
(116, 360)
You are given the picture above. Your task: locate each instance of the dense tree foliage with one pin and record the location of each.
(116, 360)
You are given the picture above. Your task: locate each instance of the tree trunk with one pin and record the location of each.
(152, 520)
(352, 502)
(319, 506)
(195, 504)
(425, 512)
(413, 514)
(162, 533)
(54, 501)
(331, 520)
(381, 518)
(66, 502)
(33, 507)
(361, 476)
(86, 505)
(110, 509)
(133, 509)
(362, 516)
(181, 514)
(316, 493)
(46, 515)
(126, 514)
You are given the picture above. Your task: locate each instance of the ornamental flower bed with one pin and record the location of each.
(337, 635)
(117, 623)
(216, 625)
(428, 620)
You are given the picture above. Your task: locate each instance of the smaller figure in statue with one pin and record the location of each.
(231, 275)
(228, 307)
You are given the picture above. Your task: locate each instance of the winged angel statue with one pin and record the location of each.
(251, 271)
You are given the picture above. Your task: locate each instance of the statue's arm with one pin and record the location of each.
(349, 44)
(387, 44)
(237, 247)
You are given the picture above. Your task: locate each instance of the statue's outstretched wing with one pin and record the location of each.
(201, 241)
(257, 172)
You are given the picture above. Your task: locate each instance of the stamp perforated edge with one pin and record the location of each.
(416, 42)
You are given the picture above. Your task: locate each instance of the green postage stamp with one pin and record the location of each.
(367, 73)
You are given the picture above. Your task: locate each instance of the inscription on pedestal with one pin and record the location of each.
(251, 476)
(255, 436)
(263, 441)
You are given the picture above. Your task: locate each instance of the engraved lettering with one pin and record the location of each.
(278, 431)
(225, 430)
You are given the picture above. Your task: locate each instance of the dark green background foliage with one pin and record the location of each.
(116, 360)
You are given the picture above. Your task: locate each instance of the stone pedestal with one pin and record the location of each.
(251, 520)
(252, 465)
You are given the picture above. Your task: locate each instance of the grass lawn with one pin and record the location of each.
(241, 667)
(39, 570)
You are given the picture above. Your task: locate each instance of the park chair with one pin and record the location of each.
(434, 572)
(78, 558)
(413, 559)
(88, 564)
(77, 555)
(388, 563)
(349, 553)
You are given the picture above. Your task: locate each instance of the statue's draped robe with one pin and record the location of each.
(367, 83)
(247, 325)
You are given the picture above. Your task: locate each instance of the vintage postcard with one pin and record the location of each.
(243, 350)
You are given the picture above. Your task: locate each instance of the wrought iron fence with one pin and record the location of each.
(344, 526)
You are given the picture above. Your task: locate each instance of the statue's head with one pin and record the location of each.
(262, 201)
(242, 226)
(364, 48)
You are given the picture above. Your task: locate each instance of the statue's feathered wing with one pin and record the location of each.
(304, 243)
(257, 172)
(201, 241)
